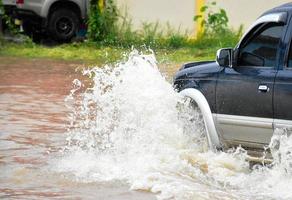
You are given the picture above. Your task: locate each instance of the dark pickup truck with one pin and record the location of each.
(247, 92)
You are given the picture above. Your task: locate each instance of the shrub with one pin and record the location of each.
(216, 22)
(124, 32)
(175, 38)
(1, 15)
(8, 21)
(215, 28)
(102, 20)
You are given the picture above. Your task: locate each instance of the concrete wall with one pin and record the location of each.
(180, 13)
(245, 12)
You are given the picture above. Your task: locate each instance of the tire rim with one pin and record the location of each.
(64, 26)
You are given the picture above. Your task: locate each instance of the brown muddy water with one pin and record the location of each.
(123, 134)
(33, 119)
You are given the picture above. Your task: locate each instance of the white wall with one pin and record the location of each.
(178, 13)
(245, 12)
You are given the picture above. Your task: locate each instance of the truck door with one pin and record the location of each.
(283, 88)
(244, 94)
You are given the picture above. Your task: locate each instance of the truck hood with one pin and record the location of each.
(197, 69)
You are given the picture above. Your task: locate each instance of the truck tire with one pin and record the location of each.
(193, 123)
(63, 24)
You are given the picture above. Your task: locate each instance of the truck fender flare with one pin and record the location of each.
(199, 98)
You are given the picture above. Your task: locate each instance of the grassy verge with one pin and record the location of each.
(90, 53)
(186, 50)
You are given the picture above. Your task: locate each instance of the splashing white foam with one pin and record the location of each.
(128, 127)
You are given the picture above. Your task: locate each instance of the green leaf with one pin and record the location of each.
(197, 17)
(204, 8)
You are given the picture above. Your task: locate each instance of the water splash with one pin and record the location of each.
(127, 126)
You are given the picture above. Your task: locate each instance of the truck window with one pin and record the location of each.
(261, 49)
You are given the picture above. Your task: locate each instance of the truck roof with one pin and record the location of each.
(287, 7)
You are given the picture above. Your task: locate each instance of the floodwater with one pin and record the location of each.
(33, 120)
(118, 133)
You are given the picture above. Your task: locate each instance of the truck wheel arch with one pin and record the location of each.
(199, 98)
(55, 4)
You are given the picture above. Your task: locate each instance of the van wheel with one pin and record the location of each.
(193, 123)
(63, 24)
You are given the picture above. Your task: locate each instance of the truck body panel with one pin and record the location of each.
(252, 96)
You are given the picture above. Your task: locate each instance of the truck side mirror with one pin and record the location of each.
(224, 57)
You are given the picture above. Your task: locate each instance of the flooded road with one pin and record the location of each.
(33, 120)
(117, 135)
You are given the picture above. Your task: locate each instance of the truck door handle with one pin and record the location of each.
(264, 88)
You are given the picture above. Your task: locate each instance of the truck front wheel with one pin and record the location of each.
(63, 24)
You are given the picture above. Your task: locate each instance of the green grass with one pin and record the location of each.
(89, 53)
(203, 48)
